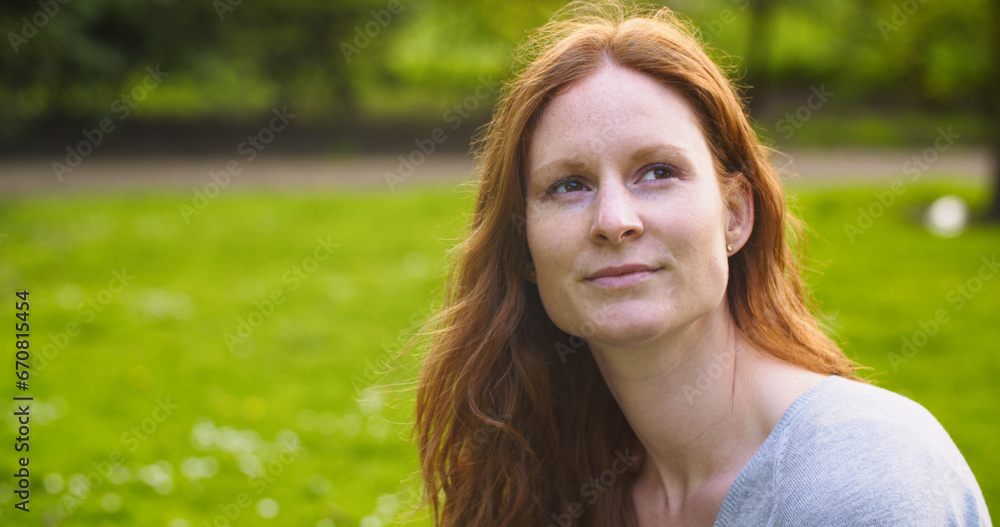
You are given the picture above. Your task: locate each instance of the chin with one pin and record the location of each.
(628, 336)
(626, 328)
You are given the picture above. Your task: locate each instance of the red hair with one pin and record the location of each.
(513, 419)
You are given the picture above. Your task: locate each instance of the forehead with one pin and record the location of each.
(615, 108)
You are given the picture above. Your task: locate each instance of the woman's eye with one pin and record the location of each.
(658, 173)
(566, 185)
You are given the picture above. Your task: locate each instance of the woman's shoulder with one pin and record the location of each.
(847, 411)
(849, 448)
(846, 423)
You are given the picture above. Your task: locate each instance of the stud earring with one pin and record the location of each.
(532, 273)
(729, 247)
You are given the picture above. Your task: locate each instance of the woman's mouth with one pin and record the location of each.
(620, 276)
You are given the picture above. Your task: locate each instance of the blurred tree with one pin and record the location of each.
(354, 60)
(225, 59)
(990, 90)
(941, 49)
(440, 55)
(757, 62)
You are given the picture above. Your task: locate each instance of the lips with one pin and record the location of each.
(620, 270)
(621, 276)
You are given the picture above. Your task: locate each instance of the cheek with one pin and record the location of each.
(550, 239)
(554, 255)
(713, 262)
(554, 261)
(699, 246)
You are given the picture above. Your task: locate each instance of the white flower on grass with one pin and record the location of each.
(249, 464)
(53, 483)
(111, 502)
(204, 435)
(287, 440)
(947, 216)
(238, 441)
(386, 505)
(78, 485)
(157, 304)
(159, 475)
(209, 466)
(119, 474)
(371, 400)
(199, 467)
(350, 425)
(267, 508)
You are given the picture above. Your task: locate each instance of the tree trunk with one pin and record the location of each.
(993, 123)
(757, 77)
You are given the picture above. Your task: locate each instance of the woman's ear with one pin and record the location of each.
(741, 209)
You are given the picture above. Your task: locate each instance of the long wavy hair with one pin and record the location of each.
(515, 425)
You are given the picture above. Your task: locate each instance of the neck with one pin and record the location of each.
(701, 400)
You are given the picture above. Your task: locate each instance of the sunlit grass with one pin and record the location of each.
(262, 324)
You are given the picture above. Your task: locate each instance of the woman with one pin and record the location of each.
(626, 339)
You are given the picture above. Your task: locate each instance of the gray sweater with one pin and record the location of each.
(848, 454)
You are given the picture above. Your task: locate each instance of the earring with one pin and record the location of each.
(532, 273)
(729, 247)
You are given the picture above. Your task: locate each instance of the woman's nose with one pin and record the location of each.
(616, 218)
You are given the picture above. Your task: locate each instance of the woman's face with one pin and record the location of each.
(626, 225)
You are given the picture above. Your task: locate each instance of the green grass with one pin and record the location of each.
(303, 370)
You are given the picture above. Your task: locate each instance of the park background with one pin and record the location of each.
(231, 215)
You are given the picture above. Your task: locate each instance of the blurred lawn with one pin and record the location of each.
(223, 456)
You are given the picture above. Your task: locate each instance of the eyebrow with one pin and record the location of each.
(669, 150)
(646, 151)
(570, 164)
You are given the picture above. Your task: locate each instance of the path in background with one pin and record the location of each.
(384, 172)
